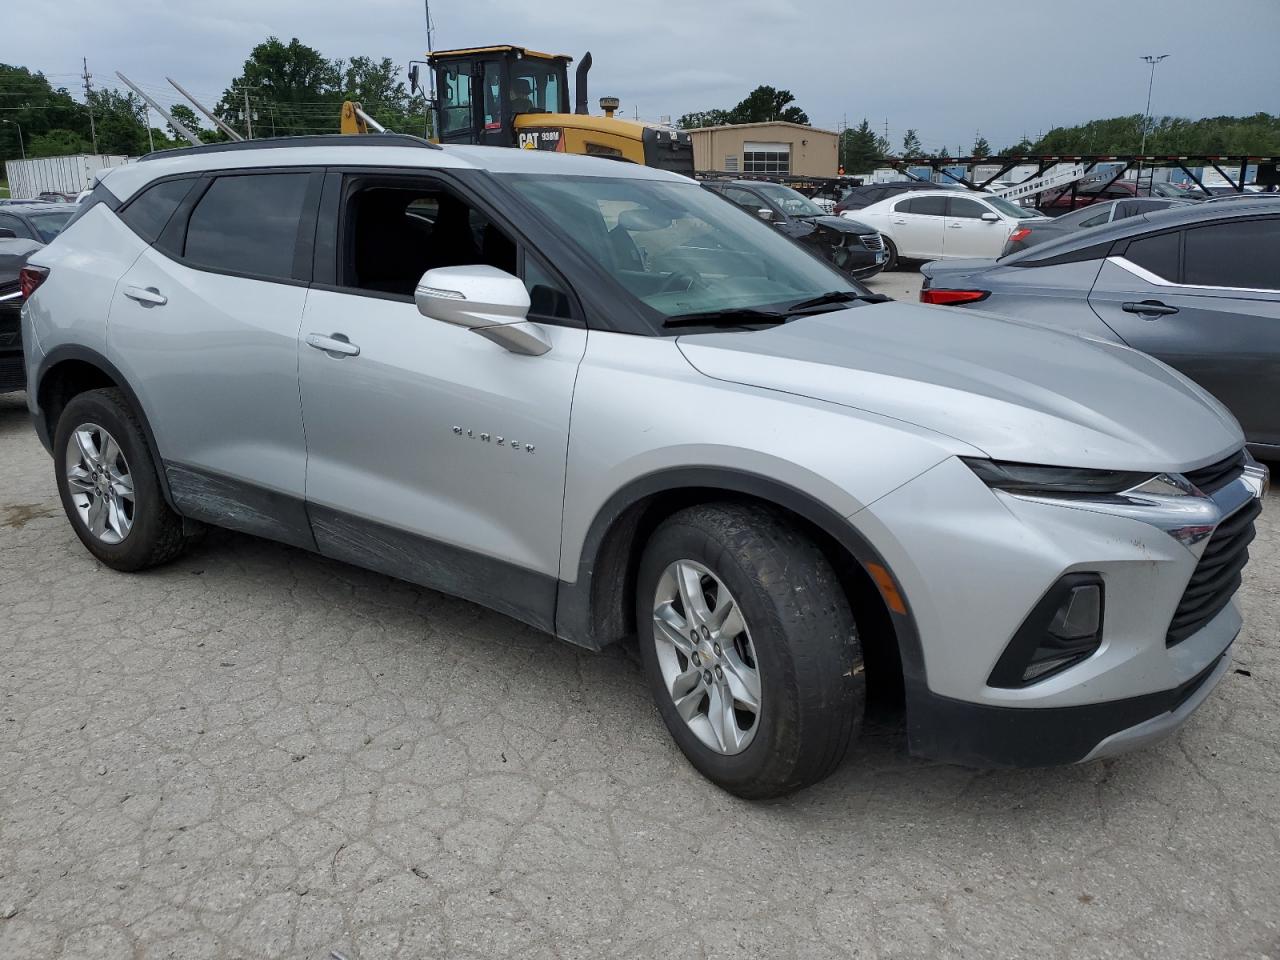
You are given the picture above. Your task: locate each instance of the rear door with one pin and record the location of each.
(205, 326)
(1205, 300)
(916, 226)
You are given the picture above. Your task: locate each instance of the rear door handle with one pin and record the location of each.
(1153, 308)
(335, 344)
(147, 295)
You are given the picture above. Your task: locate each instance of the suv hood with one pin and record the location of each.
(839, 224)
(1011, 389)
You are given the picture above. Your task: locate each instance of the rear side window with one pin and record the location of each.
(248, 224)
(148, 213)
(1241, 254)
(927, 206)
(1159, 254)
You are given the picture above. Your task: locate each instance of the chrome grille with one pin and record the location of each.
(1217, 475)
(873, 241)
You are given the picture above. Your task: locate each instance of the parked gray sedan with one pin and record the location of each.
(1035, 232)
(1197, 287)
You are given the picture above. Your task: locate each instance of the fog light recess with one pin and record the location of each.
(1063, 629)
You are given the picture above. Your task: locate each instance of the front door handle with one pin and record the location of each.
(1151, 308)
(146, 295)
(955, 226)
(336, 345)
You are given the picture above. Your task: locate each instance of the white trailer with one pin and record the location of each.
(67, 175)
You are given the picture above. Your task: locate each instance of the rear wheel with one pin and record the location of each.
(890, 254)
(109, 486)
(750, 648)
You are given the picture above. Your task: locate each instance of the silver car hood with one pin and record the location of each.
(1013, 390)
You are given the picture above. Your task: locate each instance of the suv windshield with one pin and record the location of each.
(679, 249)
(793, 202)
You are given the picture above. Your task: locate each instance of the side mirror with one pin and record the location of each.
(7, 234)
(765, 214)
(485, 300)
(990, 217)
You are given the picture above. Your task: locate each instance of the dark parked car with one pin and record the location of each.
(849, 246)
(1195, 286)
(13, 256)
(35, 220)
(869, 193)
(1033, 233)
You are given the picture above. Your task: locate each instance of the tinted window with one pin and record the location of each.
(1159, 254)
(927, 206)
(49, 225)
(1241, 254)
(151, 210)
(1097, 219)
(547, 297)
(248, 224)
(17, 226)
(964, 207)
(744, 198)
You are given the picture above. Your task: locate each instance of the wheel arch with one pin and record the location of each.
(597, 609)
(70, 370)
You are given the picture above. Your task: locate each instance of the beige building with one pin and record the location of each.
(776, 147)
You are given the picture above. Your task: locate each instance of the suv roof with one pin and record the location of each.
(380, 150)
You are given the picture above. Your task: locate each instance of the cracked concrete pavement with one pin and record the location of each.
(256, 752)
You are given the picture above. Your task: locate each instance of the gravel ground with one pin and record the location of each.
(255, 752)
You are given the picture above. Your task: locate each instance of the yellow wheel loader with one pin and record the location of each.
(510, 96)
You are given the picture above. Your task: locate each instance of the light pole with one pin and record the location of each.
(21, 147)
(1146, 116)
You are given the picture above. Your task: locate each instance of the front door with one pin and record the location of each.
(967, 234)
(916, 226)
(1206, 301)
(435, 455)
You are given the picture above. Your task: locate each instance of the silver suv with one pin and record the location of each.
(598, 399)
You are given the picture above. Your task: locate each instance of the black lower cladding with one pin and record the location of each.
(236, 505)
(979, 735)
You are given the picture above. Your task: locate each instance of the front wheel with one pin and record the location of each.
(890, 254)
(750, 648)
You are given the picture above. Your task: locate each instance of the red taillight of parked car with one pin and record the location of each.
(1020, 234)
(951, 297)
(29, 278)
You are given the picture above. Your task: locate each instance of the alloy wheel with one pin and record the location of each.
(706, 657)
(99, 482)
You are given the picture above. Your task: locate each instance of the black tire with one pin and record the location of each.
(813, 685)
(890, 254)
(156, 534)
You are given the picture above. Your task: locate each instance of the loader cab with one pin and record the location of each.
(480, 91)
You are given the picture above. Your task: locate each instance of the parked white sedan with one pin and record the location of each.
(943, 224)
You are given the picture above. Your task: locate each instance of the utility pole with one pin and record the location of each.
(1146, 115)
(88, 100)
(22, 148)
(248, 117)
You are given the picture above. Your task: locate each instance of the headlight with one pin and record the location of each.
(1042, 481)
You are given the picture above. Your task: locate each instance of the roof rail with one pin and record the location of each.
(315, 140)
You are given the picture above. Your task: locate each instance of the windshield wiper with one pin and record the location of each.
(736, 317)
(838, 296)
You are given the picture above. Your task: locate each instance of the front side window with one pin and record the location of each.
(535, 86)
(675, 249)
(491, 87)
(248, 225)
(744, 198)
(455, 97)
(965, 208)
(1245, 253)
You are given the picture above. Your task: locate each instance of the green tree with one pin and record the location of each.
(120, 121)
(57, 143)
(33, 104)
(860, 149)
(291, 88)
(185, 116)
(980, 146)
(705, 118)
(764, 103)
(911, 144)
(377, 86)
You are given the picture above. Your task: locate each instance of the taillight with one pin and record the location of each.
(1020, 234)
(948, 297)
(29, 278)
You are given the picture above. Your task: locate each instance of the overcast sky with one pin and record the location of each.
(1007, 69)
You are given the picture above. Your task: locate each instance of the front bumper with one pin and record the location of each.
(972, 563)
